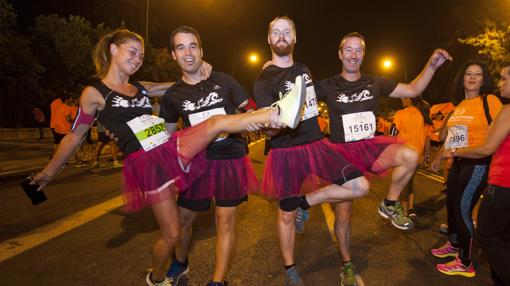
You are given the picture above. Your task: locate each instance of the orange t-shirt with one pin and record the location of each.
(323, 124)
(412, 128)
(470, 113)
(54, 106)
(62, 125)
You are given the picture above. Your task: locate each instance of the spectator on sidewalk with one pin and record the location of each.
(102, 140)
(39, 121)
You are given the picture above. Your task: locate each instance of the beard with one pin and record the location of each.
(282, 50)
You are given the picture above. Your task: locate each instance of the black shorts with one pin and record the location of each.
(205, 204)
(88, 139)
(57, 137)
(102, 137)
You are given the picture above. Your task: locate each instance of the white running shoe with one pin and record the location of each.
(166, 282)
(290, 104)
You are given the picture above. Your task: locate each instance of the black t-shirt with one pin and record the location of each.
(219, 93)
(119, 109)
(345, 97)
(274, 81)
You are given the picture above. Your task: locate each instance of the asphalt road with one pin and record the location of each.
(81, 237)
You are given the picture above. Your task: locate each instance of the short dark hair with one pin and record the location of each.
(352, 35)
(185, 30)
(458, 92)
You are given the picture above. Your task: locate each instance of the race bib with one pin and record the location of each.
(359, 126)
(457, 137)
(310, 108)
(149, 130)
(199, 117)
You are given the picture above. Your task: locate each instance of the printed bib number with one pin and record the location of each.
(359, 126)
(457, 137)
(310, 108)
(149, 130)
(199, 117)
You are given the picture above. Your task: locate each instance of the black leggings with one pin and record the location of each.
(493, 231)
(466, 180)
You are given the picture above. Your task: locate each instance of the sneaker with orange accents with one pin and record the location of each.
(455, 267)
(447, 250)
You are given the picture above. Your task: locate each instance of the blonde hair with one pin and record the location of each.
(101, 53)
(292, 24)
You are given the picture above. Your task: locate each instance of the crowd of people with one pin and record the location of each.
(179, 173)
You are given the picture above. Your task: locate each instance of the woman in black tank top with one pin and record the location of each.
(156, 165)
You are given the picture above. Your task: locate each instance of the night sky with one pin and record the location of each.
(406, 30)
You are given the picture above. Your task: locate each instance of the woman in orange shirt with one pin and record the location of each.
(467, 127)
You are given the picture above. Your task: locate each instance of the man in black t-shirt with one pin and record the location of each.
(297, 153)
(229, 175)
(352, 100)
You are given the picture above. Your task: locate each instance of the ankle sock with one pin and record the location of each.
(389, 203)
(287, 267)
(303, 203)
(182, 264)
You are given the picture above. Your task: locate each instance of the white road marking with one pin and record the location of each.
(38, 236)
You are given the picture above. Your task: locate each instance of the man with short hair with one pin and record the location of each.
(229, 175)
(297, 153)
(352, 100)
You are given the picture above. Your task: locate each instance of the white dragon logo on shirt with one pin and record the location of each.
(362, 96)
(211, 99)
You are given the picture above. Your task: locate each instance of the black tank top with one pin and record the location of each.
(119, 109)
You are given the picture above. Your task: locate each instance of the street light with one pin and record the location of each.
(388, 65)
(252, 58)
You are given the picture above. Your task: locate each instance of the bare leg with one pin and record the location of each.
(333, 193)
(99, 148)
(286, 235)
(198, 137)
(166, 214)
(343, 212)
(225, 232)
(187, 217)
(113, 146)
(405, 162)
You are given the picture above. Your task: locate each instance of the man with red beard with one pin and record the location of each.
(297, 153)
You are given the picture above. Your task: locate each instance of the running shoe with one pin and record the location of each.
(447, 250)
(292, 278)
(290, 104)
(455, 267)
(396, 215)
(224, 283)
(301, 218)
(443, 228)
(347, 276)
(97, 164)
(116, 164)
(80, 164)
(166, 282)
(411, 213)
(176, 271)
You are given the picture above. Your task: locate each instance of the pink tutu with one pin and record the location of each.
(368, 155)
(229, 179)
(157, 175)
(287, 168)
